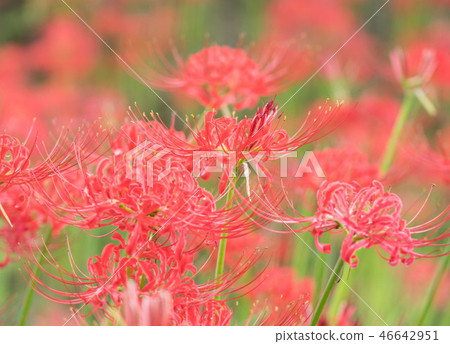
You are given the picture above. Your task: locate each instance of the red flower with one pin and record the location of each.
(67, 153)
(14, 158)
(321, 20)
(172, 205)
(219, 75)
(23, 219)
(66, 48)
(369, 217)
(13, 67)
(250, 140)
(164, 274)
(276, 296)
(424, 63)
(416, 68)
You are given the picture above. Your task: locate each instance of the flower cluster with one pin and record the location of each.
(370, 217)
(218, 76)
(313, 143)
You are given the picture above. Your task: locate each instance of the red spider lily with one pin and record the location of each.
(15, 170)
(250, 140)
(130, 29)
(437, 39)
(14, 157)
(155, 268)
(110, 196)
(322, 21)
(174, 206)
(279, 293)
(54, 53)
(157, 198)
(19, 181)
(13, 64)
(66, 154)
(369, 216)
(414, 72)
(292, 292)
(325, 25)
(209, 313)
(24, 217)
(219, 75)
(292, 314)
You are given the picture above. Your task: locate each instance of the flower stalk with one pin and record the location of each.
(332, 280)
(433, 290)
(405, 110)
(37, 270)
(223, 244)
(340, 295)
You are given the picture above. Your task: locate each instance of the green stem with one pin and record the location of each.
(405, 110)
(319, 272)
(326, 293)
(434, 287)
(340, 294)
(222, 246)
(36, 272)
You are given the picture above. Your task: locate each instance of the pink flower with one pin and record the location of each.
(143, 309)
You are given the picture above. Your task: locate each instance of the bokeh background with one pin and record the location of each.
(56, 72)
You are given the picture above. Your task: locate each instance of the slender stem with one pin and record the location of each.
(319, 274)
(222, 245)
(326, 293)
(405, 110)
(36, 272)
(340, 294)
(434, 287)
(221, 255)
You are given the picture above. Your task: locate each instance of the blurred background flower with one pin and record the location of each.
(63, 67)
